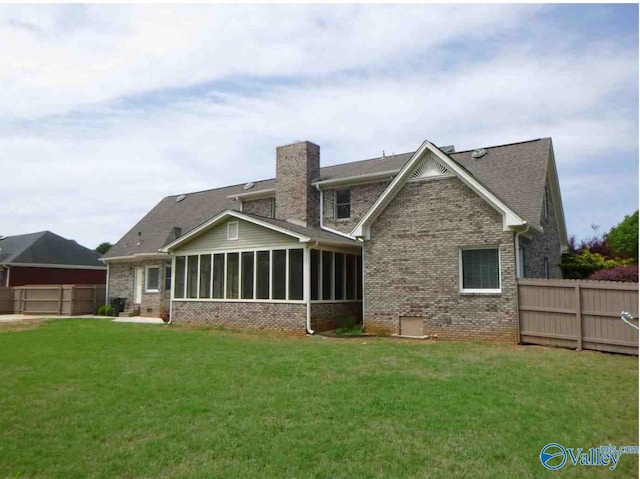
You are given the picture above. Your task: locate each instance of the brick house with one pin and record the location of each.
(427, 243)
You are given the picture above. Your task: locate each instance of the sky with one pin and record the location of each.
(106, 109)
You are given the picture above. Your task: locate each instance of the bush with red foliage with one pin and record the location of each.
(619, 273)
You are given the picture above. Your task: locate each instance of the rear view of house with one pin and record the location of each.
(427, 243)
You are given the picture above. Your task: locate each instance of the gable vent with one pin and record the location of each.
(430, 168)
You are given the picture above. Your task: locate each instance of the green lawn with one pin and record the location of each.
(91, 398)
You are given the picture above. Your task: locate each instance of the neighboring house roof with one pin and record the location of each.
(514, 173)
(303, 233)
(46, 248)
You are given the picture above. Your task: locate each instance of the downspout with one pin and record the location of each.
(518, 265)
(307, 279)
(106, 289)
(173, 286)
(517, 245)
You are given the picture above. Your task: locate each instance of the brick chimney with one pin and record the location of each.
(297, 165)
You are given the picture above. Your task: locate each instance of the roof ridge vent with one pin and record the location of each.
(180, 198)
(478, 153)
(248, 186)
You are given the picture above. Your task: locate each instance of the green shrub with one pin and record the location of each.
(584, 264)
(349, 326)
(104, 310)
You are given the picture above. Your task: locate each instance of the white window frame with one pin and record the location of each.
(335, 204)
(146, 279)
(230, 236)
(479, 290)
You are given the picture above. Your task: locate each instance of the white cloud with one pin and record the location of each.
(86, 157)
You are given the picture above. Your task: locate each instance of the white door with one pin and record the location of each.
(137, 298)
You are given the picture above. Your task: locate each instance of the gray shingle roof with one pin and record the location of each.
(46, 247)
(515, 173)
(316, 234)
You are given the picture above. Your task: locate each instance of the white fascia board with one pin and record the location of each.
(361, 230)
(57, 266)
(355, 180)
(134, 257)
(223, 216)
(254, 195)
(511, 220)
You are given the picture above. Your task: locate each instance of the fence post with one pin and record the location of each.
(578, 302)
(60, 300)
(73, 297)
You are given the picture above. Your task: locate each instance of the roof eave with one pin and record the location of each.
(511, 220)
(133, 257)
(223, 216)
(254, 195)
(356, 179)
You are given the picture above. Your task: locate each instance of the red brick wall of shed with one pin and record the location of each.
(412, 264)
(22, 275)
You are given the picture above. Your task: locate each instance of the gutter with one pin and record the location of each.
(354, 180)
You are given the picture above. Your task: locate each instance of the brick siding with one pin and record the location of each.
(261, 207)
(290, 318)
(362, 197)
(327, 316)
(543, 245)
(412, 264)
(297, 165)
(122, 281)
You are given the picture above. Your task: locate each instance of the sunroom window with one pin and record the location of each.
(480, 270)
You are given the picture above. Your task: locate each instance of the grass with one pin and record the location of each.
(96, 399)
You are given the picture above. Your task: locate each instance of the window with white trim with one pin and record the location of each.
(152, 279)
(480, 270)
(232, 230)
(343, 204)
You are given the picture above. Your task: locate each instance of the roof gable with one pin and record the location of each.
(441, 164)
(297, 232)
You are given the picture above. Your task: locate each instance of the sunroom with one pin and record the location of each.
(246, 271)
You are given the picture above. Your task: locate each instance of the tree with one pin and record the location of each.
(104, 247)
(623, 238)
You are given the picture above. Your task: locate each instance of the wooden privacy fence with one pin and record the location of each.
(63, 299)
(578, 314)
(6, 300)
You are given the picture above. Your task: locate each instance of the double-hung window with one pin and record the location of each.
(152, 279)
(343, 204)
(480, 270)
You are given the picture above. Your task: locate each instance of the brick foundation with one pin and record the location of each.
(290, 318)
(327, 316)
